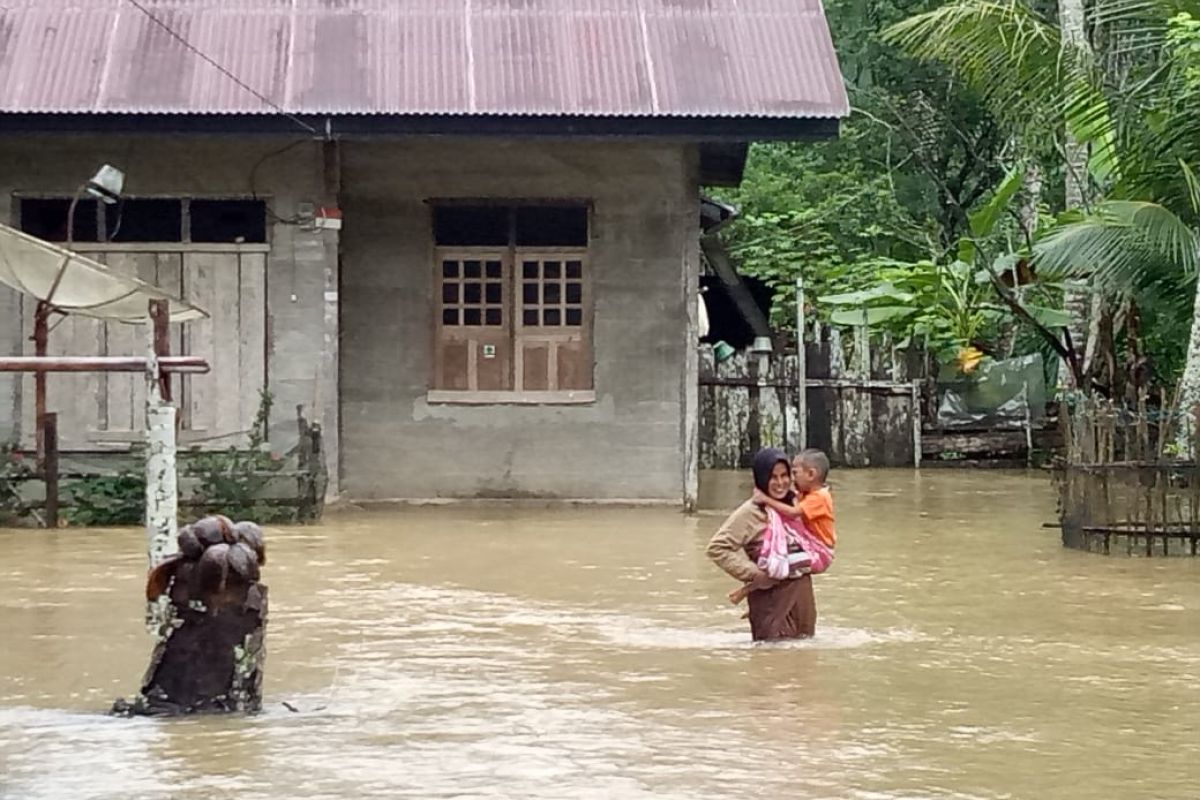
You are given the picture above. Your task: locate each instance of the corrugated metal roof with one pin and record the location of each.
(747, 58)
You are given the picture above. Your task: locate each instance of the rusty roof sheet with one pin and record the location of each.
(698, 58)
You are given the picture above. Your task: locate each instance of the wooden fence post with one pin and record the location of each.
(916, 424)
(801, 371)
(1028, 428)
(49, 425)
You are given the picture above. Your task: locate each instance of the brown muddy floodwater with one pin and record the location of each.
(500, 653)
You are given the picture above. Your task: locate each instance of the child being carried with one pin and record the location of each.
(800, 536)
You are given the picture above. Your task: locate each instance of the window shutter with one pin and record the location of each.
(553, 328)
(474, 330)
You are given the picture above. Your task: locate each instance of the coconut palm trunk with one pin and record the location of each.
(1189, 388)
(1078, 299)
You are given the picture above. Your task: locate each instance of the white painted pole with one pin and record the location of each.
(162, 501)
(801, 370)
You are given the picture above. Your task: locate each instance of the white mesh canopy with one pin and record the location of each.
(87, 287)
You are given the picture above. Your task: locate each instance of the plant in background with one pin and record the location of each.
(233, 481)
(108, 500)
(820, 210)
(13, 467)
(958, 307)
(946, 307)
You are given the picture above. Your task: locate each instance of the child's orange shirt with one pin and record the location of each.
(816, 508)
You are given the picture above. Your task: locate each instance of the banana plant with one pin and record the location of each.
(955, 304)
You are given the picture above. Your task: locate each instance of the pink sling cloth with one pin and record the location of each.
(773, 554)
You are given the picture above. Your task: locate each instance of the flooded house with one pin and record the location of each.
(461, 234)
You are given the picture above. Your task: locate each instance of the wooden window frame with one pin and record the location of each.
(517, 334)
(185, 243)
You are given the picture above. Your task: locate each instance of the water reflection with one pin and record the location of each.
(589, 653)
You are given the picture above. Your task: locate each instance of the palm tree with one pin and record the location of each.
(1140, 113)
(1036, 76)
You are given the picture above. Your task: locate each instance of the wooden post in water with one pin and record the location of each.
(1028, 428)
(864, 347)
(801, 371)
(916, 424)
(41, 341)
(162, 499)
(49, 425)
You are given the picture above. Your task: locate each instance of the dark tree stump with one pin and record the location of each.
(210, 655)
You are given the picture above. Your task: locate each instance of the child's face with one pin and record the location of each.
(807, 478)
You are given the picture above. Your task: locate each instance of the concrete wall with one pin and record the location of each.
(629, 443)
(303, 264)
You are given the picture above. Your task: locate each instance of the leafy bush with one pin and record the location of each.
(108, 500)
(13, 466)
(232, 481)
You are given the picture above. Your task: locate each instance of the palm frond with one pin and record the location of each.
(1015, 59)
(1141, 15)
(1002, 48)
(1125, 245)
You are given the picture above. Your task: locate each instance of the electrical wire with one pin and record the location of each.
(195, 50)
(227, 73)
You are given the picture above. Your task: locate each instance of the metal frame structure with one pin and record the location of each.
(158, 366)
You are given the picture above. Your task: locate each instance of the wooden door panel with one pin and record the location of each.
(453, 365)
(109, 408)
(221, 405)
(535, 366)
(574, 362)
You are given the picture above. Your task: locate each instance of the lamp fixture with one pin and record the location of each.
(106, 185)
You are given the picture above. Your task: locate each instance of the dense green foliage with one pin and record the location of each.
(233, 481)
(973, 122)
(108, 500)
(888, 202)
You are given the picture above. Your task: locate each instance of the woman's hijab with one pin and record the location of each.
(764, 464)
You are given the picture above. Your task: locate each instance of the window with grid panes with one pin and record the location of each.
(513, 299)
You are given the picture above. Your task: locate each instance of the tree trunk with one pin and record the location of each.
(1027, 218)
(1073, 27)
(211, 648)
(1030, 200)
(1094, 335)
(211, 661)
(1189, 388)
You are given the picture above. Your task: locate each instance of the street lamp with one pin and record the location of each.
(105, 186)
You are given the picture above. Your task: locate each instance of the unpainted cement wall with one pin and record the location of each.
(301, 366)
(629, 443)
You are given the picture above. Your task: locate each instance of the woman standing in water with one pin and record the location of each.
(778, 609)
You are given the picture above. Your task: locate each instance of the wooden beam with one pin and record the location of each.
(41, 365)
(85, 248)
(884, 387)
(161, 319)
